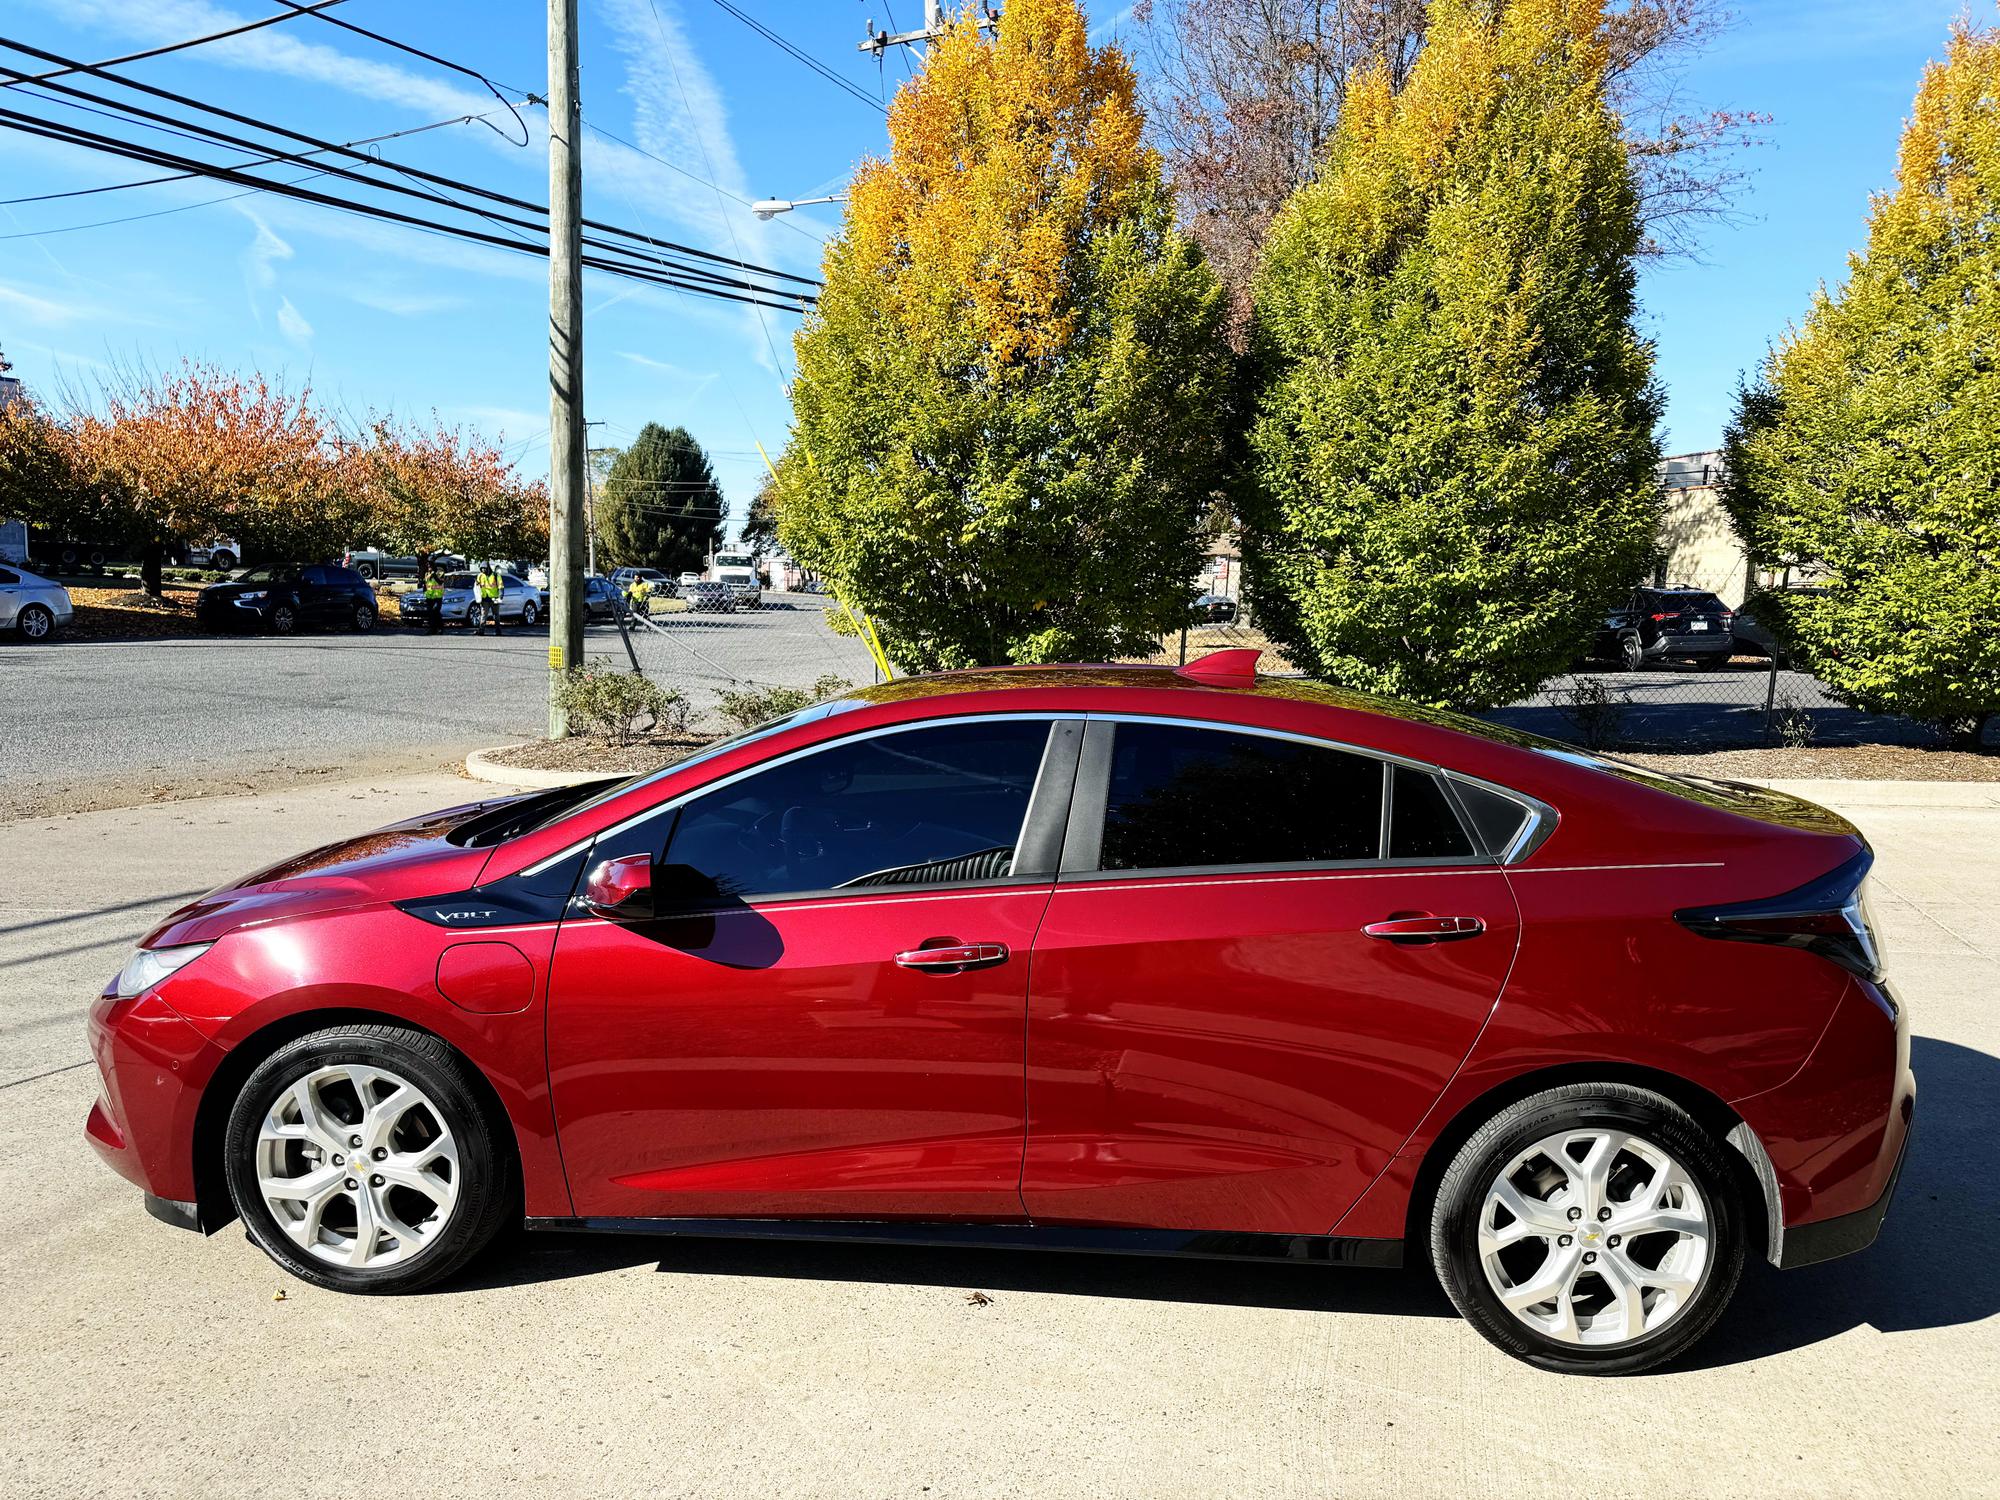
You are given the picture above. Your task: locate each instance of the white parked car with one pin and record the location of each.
(33, 608)
(519, 599)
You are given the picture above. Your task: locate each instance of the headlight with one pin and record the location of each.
(149, 966)
(256, 598)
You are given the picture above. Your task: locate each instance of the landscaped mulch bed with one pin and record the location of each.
(122, 611)
(1831, 763)
(579, 754)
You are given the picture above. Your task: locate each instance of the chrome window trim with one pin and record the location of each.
(674, 804)
(1535, 828)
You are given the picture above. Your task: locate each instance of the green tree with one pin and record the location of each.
(1453, 454)
(1870, 447)
(661, 507)
(760, 524)
(1011, 399)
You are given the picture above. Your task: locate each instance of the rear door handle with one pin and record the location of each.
(953, 958)
(1425, 929)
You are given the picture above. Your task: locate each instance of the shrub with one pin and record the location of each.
(746, 708)
(1870, 445)
(1453, 452)
(612, 705)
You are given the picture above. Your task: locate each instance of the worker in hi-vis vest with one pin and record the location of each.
(487, 596)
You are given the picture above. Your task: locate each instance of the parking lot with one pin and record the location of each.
(143, 1360)
(87, 723)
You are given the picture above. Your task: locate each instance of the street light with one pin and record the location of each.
(769, 208)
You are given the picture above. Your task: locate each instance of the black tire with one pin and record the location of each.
(485, 1188)
(284, 619)
(364, 618)
(530, 615)
(223, 560)
(1632, 654)
(35, 623)
(1461, 1196)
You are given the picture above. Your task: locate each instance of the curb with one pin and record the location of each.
(481, 766)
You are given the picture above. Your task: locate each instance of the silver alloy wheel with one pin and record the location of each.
(1594, 1236)
(35, 622)
(357, 1166)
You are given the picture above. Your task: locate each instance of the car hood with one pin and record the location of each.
(406, 860)
(230, 590)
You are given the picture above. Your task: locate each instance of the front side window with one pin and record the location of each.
(1181, 796)
(939, 805)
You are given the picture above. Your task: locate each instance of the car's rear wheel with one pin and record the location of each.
(364, 617)
(1631, 653)
(1592, 1229)
(35, 623)
(359, 1160)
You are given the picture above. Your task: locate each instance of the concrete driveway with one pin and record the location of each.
(142, 1360)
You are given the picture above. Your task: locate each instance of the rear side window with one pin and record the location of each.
(1498, 819)
(1182, 796)
(320, 576)
(348, 578)
(941, 805)
(6, 577)
(1422, 824)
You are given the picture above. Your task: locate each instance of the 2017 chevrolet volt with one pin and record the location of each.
(1100, 958)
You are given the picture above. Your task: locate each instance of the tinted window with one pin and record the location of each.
(6, 577)
(1498, 819)
(921, 806)
(319, 576)
(1182, 796)
(348, 578)
(1422, 824)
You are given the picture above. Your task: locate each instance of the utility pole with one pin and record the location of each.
(934, 27)
(600, 470)
(566, 429)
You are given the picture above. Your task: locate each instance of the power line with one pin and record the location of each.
(431, 57)
(805, 57)
(673, 166)
(374, 160)
(240, 143)
(199, 41)
(72, 135)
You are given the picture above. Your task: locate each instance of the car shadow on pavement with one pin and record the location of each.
(1937, 1261)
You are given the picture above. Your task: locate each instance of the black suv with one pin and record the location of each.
(1668, 624)
(284, 596)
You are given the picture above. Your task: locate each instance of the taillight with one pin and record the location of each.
(1827, 916)
(1666, 617)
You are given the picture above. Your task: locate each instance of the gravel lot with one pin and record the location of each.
(143, 1360)
(93, 724)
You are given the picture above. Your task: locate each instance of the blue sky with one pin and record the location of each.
(383, 318)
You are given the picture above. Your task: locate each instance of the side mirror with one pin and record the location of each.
(621, 889)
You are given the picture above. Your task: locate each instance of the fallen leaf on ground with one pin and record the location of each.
(978, 1299)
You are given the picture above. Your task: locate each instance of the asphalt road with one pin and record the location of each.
(86, 723)
(143, 1360)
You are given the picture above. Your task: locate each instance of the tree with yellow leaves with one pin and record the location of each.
(1013, 399)
(1453, 452)
(1870, 448)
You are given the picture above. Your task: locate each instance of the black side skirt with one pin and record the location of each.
(1305, 1249)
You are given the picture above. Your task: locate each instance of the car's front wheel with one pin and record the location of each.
(359, 1160)
(1593, 1229)
(530, 614)
(284, 619)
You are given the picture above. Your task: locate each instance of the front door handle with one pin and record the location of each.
(1412, 930)
(953, 958)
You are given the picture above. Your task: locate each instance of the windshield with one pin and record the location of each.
(266, 574)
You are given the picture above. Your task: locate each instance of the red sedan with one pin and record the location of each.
(1090, 958)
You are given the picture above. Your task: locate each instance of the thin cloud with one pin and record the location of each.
(292, 323)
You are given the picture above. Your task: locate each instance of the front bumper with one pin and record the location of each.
(152, 1067)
